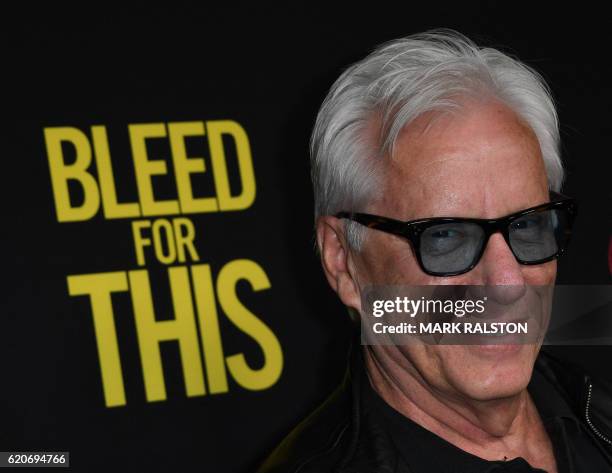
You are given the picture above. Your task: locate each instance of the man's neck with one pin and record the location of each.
(492, 429)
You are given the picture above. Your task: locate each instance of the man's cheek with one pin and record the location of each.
(541, 274)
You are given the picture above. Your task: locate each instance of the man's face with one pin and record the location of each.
(482, 162)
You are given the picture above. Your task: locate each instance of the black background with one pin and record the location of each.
(268, 69)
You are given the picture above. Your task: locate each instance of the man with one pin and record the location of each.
(433, 126)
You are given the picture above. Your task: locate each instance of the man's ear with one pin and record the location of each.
(335, 259)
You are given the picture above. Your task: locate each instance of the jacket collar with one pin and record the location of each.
(369, 444)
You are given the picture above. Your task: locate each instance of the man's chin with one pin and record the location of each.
(489, 372)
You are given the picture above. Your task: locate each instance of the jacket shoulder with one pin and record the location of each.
(590, 396)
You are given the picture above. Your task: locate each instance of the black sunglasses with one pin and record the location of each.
(449, 246)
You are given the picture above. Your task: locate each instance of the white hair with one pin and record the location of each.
(397, 83)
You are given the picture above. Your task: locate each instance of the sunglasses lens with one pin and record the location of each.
(450, 247)
(539, 235)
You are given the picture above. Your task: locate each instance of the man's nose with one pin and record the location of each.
(501, 273)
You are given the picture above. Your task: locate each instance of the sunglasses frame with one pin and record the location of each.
(413, 229)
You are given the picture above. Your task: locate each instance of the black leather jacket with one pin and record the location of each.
(341, 437)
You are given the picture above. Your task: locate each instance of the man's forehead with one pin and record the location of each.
(480, 159)
(486, 123)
